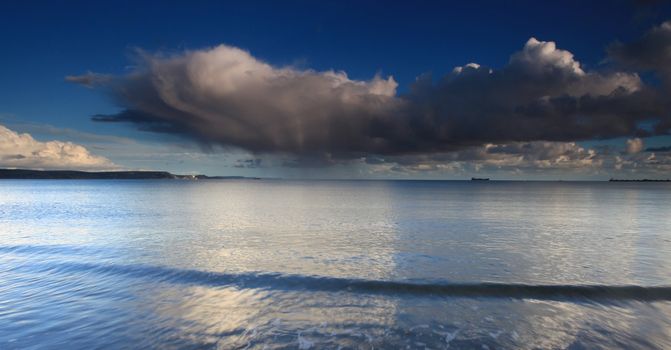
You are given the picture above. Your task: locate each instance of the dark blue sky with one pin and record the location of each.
(42, 42)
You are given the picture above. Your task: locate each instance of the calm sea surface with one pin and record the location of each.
(334, 264)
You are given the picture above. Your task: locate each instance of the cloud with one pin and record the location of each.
(223, 96)
(529, 158)
(541, 94)
(651, 52)
(517, 156)
(23, 151)
(248, 163)
(89, 79)
(634, 145)
(653, 163)
(659, 149)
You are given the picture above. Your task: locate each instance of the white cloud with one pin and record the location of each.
(460, 69)
(538, 58)
(23, 151)
(634, 145)
(544, 56)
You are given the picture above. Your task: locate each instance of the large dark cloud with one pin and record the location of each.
(651, 52)
(225, 96)
(542, 94)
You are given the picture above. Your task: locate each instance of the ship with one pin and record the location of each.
(479, 179)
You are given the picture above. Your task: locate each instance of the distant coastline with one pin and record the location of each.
(639, 180)
(28, 174)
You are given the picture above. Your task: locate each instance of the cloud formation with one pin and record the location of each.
(634, 145)
(543, 96)
(654, 163)
(652, 52)
(530, 158)
(515, 157)
(659, 149)
(227, 97)
(23, 151)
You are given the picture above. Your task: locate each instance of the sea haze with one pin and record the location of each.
(271, 264)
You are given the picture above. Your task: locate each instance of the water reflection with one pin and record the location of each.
(567, 234)
(280, 264)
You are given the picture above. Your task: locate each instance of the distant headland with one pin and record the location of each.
(103, 175)
(639, 180)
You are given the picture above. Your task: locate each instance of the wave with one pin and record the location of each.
(55, 249)
(276, 281)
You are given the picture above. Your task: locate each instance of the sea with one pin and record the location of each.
(282, 264)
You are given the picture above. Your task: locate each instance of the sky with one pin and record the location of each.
(339, 89)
